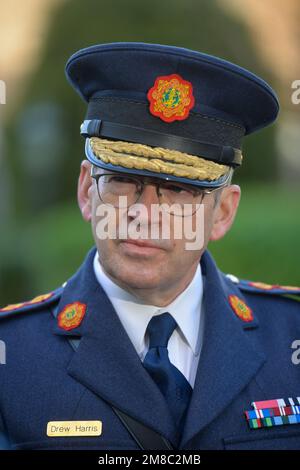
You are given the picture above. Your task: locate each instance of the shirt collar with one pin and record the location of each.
(135, 315)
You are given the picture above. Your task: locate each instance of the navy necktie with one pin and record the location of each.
(171, 382)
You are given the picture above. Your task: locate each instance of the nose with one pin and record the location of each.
(148, 197)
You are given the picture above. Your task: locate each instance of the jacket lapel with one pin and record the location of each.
(106, 361)
(228, 360)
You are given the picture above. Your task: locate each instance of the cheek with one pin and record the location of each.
(92, 192)
(108, 227)
(99, 217)
(197, 228)
(208, 221)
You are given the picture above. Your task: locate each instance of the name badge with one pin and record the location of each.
(74, 428)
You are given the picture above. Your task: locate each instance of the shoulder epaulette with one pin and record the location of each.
(263, 288)
(30, 305)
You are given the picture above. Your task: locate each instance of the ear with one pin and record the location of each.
(225, 211)
(84, 190)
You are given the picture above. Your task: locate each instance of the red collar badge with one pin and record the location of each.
(240, 308)
(71, 316)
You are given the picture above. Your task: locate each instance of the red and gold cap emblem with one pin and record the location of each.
(71, 316)
(171, 98)
(240, 308)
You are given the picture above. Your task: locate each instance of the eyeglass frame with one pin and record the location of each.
(155, 181)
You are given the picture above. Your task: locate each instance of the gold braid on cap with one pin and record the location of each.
(156, 159)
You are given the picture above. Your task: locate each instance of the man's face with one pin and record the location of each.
(153, 264)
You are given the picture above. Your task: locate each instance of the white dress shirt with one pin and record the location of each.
(185, 342)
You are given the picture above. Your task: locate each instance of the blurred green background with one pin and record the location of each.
(43, 238)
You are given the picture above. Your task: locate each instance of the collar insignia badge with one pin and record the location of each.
(240, 308)
(71, 316)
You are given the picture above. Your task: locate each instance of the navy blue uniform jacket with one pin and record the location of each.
(46, 378)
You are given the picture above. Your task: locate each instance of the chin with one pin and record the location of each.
(136, 277)
(139, 280)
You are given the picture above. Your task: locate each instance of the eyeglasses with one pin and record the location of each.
(121, 190)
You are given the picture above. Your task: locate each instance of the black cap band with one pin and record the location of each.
(224, 155)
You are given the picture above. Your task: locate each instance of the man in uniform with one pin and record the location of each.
(149, 345)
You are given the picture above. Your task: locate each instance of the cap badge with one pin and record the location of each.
(240, 308)
(171, 98)
(71, 316)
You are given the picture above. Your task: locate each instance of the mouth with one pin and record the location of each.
(142, 243)
(140, 247)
